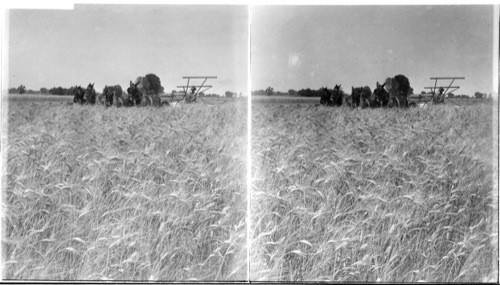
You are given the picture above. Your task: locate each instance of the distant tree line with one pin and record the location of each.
(477, 95)
(270, 92)
(451, 95)
(308, 92)
(208, 95)
(43, 91)
(480, 95)
(317, 93)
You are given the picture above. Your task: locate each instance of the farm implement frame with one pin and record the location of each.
(193, 89)
(436, 98)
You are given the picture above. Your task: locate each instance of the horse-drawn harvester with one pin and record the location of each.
(394, 93)
(135, 96)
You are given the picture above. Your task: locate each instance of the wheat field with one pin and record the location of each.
(391, 195)
(95, 193)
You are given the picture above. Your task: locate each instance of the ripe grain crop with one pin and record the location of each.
(29, 98)
(95, 193)
(385, 195)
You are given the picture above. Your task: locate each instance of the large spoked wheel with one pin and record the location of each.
(393, 103)
(404, 102)
(348, 101)
(118, 102)
(157, 101)
(365, 103)
(354, 105)
(438, 100)
(101, 100)
(147, 101)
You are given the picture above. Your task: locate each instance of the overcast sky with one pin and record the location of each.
(296, 47)
(113, 44)
(292, 47)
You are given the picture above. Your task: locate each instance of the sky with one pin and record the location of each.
(295, 47)
(113, 44)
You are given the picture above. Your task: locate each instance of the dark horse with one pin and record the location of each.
(360, 95)
(331, 97)
(134, 94)
(79, 95)
(325, 98)
(380, 96)
(90, 94)
(109, 94)
(337, 95)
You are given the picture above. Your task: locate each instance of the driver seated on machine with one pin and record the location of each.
(192, 96)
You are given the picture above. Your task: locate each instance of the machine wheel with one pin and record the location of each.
(156, 101)
(393, 102)
(348, 102)
(365, 103)
(147, 101)
(101, 100)
(118, 102)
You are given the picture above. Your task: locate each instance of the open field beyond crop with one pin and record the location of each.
(125, 193)
(375, 194)
(315, 100)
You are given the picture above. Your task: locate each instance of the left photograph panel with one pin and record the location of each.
(124, 143)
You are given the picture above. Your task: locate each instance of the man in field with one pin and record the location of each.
(440, 96)
(191, 97)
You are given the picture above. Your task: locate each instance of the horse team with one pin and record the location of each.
(398, 90)
(110, 94)
(396, 95)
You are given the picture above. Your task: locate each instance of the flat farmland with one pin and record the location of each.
(95, 193)
(391, 195)
(315, 100)
(285, 99)
(38, 98)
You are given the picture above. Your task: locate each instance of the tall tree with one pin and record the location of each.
(21, 89)
(269, 91)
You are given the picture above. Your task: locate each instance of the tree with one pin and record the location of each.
(118, 90)
(398, 85)
(451, 95)
(478, 95)
(150, 84)
(229, 94)
(154, 84)
(21, 89)
(292, 92)
(44, 90)
(269, 91)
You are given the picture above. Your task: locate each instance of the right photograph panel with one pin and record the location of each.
(372, 146)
